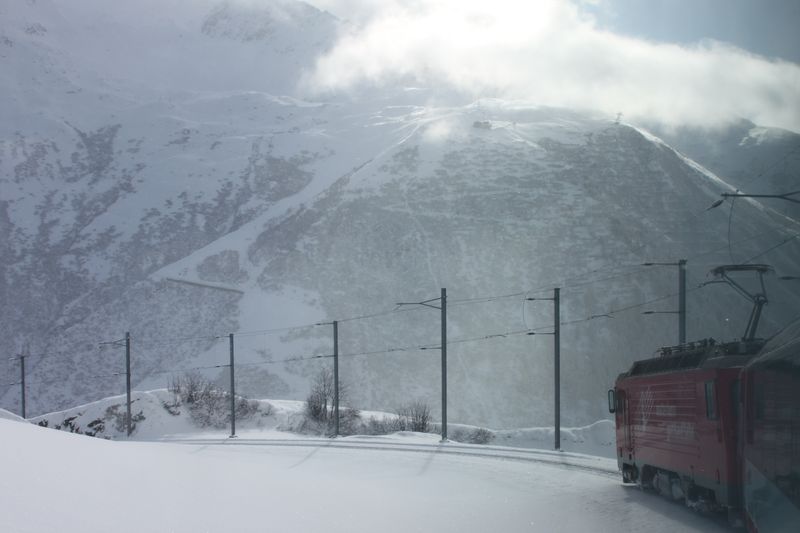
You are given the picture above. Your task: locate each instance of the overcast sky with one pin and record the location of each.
(699, 62)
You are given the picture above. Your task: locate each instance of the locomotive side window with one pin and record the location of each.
(759, 400)
(711, 401)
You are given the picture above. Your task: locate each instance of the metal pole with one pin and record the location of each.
(22, 382)
(444, 364)
(128, 421)
(557, 364)
(336, 377)
(233, 391)
(682, 301)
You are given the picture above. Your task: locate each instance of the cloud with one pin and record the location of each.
(551, 52)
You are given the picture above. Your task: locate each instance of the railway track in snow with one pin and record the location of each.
(572, 461)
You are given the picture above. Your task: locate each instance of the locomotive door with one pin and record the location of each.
(626, 423)
(628, 427)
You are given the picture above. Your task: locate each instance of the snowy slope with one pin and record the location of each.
(7, 415)
(186, 195)
(161, 415)
(754, 159)
(56, 481)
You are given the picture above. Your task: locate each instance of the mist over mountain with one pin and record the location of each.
(164, 175)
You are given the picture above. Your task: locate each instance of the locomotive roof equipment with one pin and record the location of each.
(759, 299)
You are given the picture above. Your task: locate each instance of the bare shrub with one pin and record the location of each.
(118, 416)
(349, 419)
(188, 386)
(385, 425)
(376, 426)
(209, 405)
(481, 436)
(320, 401)
(417, 416)
(320, 405)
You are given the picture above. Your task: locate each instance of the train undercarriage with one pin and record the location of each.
(681, 489)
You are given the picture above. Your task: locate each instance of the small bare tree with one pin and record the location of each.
(189, 387)
(320, 403)
(417, 415)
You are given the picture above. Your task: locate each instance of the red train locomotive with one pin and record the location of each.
(677, 419)
(717, 426)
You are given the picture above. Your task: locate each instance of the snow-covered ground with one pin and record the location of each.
(160, 415)
(55, 481)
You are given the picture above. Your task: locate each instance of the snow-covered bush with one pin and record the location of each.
(472, 436)
(117, 414)
(209, 405)
(113, 419)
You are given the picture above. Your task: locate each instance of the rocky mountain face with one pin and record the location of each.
(181, 206)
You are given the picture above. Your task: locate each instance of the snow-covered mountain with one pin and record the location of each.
(754, 159)
(164, 175)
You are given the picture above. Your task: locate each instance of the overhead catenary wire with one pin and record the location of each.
(172, 340)
(505, 334)
(547, 286)
(465, 301)
(418, 347)
(566, 286)
(605, 313)
(524, 331)
(777, 162)
(57, 380)
(747, 183)
(286, 360)
(563, 283)
(268, 331)
(47, 355)
(783, 242)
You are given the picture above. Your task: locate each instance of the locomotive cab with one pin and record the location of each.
(676, 419)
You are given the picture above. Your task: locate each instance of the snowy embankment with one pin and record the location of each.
(6, 415)
(160, 414)
(56, 481)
